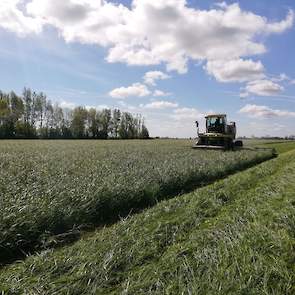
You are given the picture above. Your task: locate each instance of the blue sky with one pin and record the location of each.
(234, 57)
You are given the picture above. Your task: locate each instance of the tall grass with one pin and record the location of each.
(235, 236)
(50, 187)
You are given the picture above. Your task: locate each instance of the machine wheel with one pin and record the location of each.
(238, 143)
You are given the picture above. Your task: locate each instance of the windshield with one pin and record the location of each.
(215, 124)
(213, 121)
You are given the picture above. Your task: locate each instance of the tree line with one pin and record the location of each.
(33, 115)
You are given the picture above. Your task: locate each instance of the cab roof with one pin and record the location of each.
(215, 115)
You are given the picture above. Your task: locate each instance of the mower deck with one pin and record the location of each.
(208, 147)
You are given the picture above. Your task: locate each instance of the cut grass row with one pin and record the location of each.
(235, 236)
(50, 187)
(280, 147)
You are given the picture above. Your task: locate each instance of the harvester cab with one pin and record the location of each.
(218, 135)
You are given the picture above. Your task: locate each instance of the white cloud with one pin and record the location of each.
(135, 90)
(237, 70)
(220, 33)
(187, 114)
(67, 105)
(221, 4)
(158, 93)
(264, 88)
(244, 95)
(151, 77)
(85, 21)
(97, 107)
(160, 105)
(70, 105)
(281, 78)
(260, 111)
(280, 27)
(150, 32)
(14, 20)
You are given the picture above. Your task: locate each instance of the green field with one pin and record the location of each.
(51, 187)
(235, 236)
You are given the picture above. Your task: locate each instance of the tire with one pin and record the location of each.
(238, 143)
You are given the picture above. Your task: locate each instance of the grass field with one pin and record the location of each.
(48, 188)
(235, 236)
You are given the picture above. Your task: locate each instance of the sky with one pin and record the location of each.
(173, 61)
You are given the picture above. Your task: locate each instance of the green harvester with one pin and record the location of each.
(219, 134)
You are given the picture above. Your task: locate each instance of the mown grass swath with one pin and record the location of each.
(281, 146)
(48, 188)
(235, 236)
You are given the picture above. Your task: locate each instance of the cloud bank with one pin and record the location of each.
(260, 111)
(152, 32)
